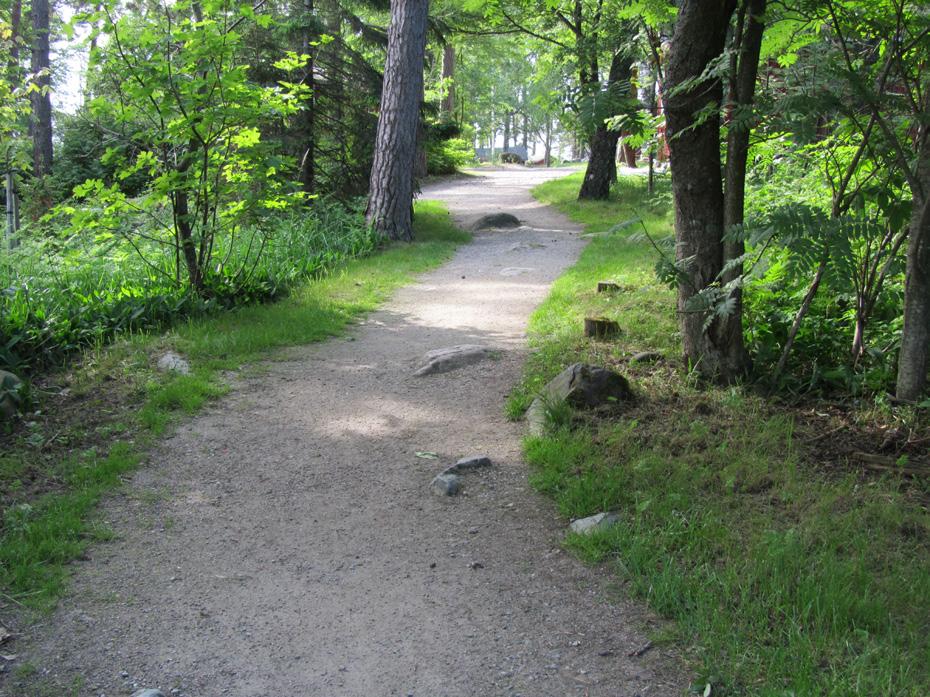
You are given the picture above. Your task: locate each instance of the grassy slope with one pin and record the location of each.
(74, 463)
(783, 576)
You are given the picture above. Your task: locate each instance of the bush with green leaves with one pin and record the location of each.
(190, 121)
(60, 294)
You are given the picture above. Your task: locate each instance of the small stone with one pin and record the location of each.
(594, 523)
(446, 485)
(467, 464)
(173, 363)
(148, 692)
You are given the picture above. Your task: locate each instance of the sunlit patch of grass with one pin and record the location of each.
(782, 578)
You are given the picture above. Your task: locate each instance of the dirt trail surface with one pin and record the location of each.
(286, 543)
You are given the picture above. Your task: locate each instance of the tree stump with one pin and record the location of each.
(607, 287)
(600, 328)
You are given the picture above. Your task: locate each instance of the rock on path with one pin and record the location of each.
(289, 548)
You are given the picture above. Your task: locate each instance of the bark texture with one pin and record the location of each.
(913, 360)
(41, 98)
(308, 162)
(601, 171)
(742, 94)
(447, 108)
(697, 186)
(391, 197)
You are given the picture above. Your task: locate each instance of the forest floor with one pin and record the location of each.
(285, 541)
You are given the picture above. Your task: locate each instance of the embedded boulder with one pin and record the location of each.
(582, 386)
(446, 359)
(586, 386)
(496, 220)
(171, 362)
(594, 523)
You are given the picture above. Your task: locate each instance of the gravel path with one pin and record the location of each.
(285, 543)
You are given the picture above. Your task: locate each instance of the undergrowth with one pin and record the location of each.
(95, 422)
(59, 295)
(785, 574)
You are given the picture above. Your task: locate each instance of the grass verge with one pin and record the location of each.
(786, 573)
(94, 425)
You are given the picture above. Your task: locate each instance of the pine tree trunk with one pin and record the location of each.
(41, 98)
(913, 359)
(700, 35)
(391, 197)
(447, 108)
(601, 171)
(308, 163)
(16, 17)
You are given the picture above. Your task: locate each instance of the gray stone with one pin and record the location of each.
(468, 464)
(446, 359)
(646, 357)
(594, 523)
(148, 692)
(10, 398)
(586, 386)
(536, 418)
(496, 220)
(446, 484)
(173, 363)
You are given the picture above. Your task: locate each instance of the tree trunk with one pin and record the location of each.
(742, 91)
(601, 171)
(41, 98)
(16, 17)
(913, 360)
(308, 163)
(391, 197)
(506, 132)
(697, 186)
(447, 108)
(548, 143)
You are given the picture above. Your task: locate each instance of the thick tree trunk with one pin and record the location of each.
(41, 98)
(506, 132)
(391, 197)
(700, 36)
(913, 360)
(601, 171)
(447, 108)
(742, 93)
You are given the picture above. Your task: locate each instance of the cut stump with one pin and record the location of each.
(600, 328)
(607, 287)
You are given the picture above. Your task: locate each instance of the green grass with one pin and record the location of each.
(50, 493)
(785, 575)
